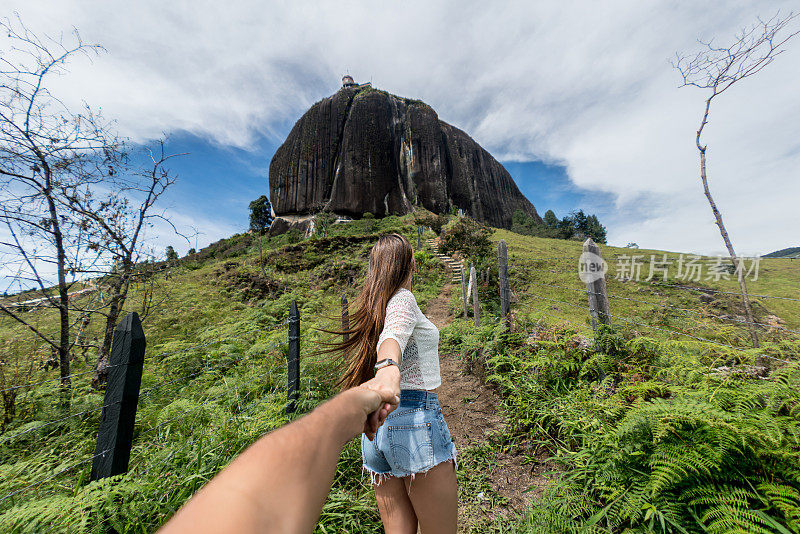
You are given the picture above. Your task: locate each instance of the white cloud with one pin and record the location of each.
(584, 84)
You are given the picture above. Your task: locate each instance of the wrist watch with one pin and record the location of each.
(386, 363)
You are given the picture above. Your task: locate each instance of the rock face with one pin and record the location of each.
(364, 150)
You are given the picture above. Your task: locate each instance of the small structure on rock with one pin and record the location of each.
(349, 83)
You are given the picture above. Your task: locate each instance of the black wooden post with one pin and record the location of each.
(115, 435)
(419, 237)
(345, 318)
(502, 263)
(293, 359)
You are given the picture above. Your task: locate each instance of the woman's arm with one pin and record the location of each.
(280, 483)
(401, 318)
(385, 378)
(389, 376)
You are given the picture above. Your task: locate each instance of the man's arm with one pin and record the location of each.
(279, 484)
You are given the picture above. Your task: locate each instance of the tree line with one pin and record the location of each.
(576, 225)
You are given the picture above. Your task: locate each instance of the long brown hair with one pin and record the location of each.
(391, 262)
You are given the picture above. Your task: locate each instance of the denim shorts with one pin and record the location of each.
(413, 439)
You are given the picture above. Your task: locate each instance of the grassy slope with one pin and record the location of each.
(777, 277)
(214, 381)
(648, 439)
(210, 299)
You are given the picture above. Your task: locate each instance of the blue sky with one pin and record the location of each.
(217, 182)
(549, 188)
(577, 99)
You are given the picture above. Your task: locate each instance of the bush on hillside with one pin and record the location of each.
(322, 222)
(432, 220)
(294, 236)
(468, 237)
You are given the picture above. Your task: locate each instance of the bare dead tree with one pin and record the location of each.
(716, 69)
(41, 143)
(153, 292)
(75, 202)
(116, 223)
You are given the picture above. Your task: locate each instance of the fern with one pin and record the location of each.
(785, 499)
(659, 444)
(728, 509)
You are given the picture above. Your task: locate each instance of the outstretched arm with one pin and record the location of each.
(280, 483)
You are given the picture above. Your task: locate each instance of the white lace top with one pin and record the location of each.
(418, 339)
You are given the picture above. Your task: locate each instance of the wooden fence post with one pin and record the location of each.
(463, 290)
(469, 281)
(502, 265)
(115, 435)
(476, 310)
(419, 237)
(293, 359)
(345, 318)
(593, 274)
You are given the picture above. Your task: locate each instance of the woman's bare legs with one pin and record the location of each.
(434, 497)
(397, 512)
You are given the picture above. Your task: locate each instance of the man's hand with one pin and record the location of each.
(379, 400)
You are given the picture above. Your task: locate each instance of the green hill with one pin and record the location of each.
(792, 252)
(612, 408)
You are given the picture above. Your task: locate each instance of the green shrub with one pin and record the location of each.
(322, 223)
(468, 237)
(294, 236)
(432, 220)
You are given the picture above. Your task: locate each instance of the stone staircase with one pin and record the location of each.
(454, 265)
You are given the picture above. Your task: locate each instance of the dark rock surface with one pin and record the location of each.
(361, 151)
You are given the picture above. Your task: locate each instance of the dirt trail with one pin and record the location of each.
(472, 412)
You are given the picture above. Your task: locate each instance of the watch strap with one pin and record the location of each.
(385, 363)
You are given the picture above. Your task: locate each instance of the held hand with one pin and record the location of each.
(388, 377)
(386, 384)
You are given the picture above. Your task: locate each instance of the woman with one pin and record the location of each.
(411, 458)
